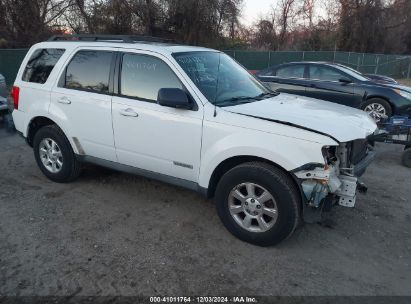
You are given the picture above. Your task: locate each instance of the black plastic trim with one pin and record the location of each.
(309, 166)
(116, 75)
(112, 71)
(109, 38)
(142, 172)
(359, 169)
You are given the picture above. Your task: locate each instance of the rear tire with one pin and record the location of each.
(54, 155)
(273, 205)
(377, 108)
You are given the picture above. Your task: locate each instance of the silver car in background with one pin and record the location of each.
(3, 95)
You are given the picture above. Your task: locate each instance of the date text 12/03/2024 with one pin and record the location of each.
(202, 299)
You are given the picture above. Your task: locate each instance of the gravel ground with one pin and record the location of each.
(111, 233)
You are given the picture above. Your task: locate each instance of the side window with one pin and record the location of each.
(40, 65)
(89, 71)
(324, 73)
(143, 76)
(266, 72)
(291, 71)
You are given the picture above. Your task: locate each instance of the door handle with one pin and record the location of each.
(64, 100)
(128, 112)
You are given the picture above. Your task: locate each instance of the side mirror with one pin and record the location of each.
(345, 80)
(174, 98)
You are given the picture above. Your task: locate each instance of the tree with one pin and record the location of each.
(348, 25)
(286, 9)
(265, 37)
(26, 22)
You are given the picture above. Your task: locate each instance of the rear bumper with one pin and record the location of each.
(19, 119)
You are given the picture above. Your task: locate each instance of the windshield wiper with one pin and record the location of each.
(245, 99)
(236, 100)
(268, 94)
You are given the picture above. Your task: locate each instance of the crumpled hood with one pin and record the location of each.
(340, 122)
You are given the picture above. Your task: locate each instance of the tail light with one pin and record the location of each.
(15, 92)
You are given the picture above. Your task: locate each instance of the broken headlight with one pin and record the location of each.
(329, 154)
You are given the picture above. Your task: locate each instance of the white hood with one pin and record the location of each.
(341, 122)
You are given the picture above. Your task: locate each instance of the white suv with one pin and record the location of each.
(195, 118)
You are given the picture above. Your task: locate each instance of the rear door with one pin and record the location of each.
(325, 84)
(82, 99)
(288, 79)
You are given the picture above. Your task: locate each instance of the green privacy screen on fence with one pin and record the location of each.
(397, 66)
(10, 62)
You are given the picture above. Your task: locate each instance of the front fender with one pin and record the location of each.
(287, 152)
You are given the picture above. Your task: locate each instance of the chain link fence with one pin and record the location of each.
(396, 66)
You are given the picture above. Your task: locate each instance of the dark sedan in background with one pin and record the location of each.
(339, 84)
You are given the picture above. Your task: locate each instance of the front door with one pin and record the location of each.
(325, 84)
(149, 136)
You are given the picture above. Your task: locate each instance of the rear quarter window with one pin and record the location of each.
(40, 65)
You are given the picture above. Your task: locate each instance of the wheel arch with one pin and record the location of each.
(234, 161)
(376, 96)
(37, 122)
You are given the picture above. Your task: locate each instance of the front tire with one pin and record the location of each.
(258, 203)
(54, 155)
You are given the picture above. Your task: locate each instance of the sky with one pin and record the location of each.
(254, 8)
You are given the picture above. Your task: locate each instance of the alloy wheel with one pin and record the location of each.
(376, 110)
(253, 207)
(50, 155)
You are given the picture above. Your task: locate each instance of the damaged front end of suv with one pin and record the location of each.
(337, 180)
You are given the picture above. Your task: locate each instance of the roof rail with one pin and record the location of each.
(109, 38)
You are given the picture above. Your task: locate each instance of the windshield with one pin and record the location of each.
(221, 79)
(353, 73)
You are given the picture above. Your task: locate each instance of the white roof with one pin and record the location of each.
(162, 48)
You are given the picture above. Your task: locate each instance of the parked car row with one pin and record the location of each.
(340, 84)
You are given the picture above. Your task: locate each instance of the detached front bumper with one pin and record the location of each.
(359, 169)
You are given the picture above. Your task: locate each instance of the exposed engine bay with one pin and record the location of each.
(337, 181)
